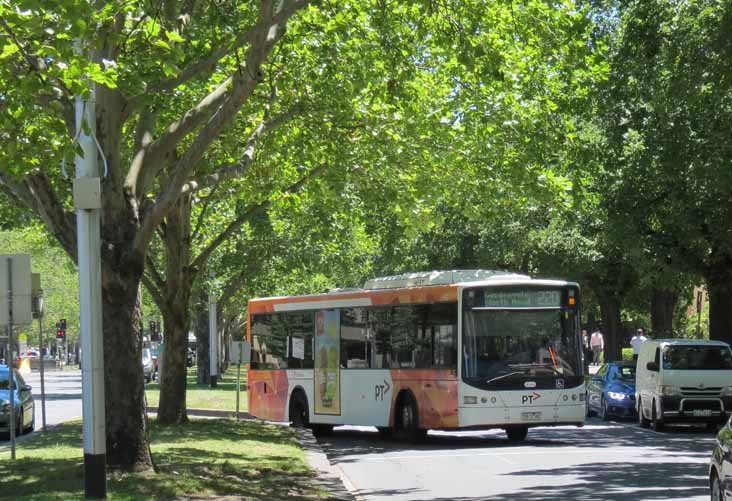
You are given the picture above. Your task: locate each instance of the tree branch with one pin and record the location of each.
(258, 208)
(266, 35)
(149, 160)
(206, 65)
(236, 170)
(154, 291)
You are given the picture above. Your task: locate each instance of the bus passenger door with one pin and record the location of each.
(327, 344)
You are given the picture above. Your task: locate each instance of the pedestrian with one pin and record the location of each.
(597, 343)
(586, 351)
(636, 342)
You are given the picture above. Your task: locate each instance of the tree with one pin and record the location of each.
(669, 105)
(144, 61)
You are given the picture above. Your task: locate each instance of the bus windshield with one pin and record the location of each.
(504, 348)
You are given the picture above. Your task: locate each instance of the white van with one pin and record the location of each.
(681, 380)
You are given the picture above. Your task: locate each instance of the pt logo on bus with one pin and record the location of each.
(529, 399)
(381, 390)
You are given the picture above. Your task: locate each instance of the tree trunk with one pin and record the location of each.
(127, 445)
(172, 407)
(612, 329)
(178, 284)
(663, 303)
(203, 369)
(720, 307)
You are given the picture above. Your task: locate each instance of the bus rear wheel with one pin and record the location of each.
(517, 433)
(299, 414)
(407, 421)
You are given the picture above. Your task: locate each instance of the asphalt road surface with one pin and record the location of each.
(63, 397)
(615, 460)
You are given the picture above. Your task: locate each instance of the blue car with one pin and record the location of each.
(23, 400)
(611, 391)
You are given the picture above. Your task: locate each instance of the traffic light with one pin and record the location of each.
(154, 331)
(61, 329)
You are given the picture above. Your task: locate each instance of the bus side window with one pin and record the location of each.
(442, 319)
(379, 328)
(354, 352)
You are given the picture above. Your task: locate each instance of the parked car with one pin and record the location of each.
(23, 400)
(681, 380)
(148, 367)
(720, 469)
(611, 391)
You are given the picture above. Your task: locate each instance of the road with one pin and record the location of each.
(63, 397)
(602, 461)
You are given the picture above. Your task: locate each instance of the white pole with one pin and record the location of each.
(41, 343)
(11, 362)
(213, 340)
(90, 294)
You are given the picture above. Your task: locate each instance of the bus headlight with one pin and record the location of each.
(616, 396)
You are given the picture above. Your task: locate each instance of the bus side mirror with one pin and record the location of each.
(652, 366)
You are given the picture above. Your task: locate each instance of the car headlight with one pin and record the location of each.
(669, 391)
(616, 396)
(727, 391)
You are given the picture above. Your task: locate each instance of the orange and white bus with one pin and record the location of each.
(408, 353)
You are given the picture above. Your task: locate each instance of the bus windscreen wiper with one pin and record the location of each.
(502, 376)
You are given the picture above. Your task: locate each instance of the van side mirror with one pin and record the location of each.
(652, 366)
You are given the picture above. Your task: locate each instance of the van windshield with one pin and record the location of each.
(697, 358)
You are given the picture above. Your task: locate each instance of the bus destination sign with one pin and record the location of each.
(528, 298)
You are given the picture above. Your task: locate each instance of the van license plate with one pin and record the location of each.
(531, 416)
(701, 412)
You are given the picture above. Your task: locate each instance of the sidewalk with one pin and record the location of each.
(329, 476)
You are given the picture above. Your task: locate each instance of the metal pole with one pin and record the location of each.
(90, 293)
(43, 382)
(238, 378)
(213, 340)
(11, 361)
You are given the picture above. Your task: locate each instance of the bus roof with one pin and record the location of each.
(426, 278)
(409, 288)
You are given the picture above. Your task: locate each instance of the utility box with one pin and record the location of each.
(87, 193)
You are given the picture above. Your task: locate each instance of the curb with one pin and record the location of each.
(329, 475)
(208, 413)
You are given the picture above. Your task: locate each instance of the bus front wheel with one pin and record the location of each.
(517, 433)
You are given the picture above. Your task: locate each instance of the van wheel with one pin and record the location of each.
(642, 421)
(299, 414)
(517, 433)
(656, 421)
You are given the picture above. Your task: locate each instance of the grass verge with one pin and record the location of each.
(204, 459)
(200, 396)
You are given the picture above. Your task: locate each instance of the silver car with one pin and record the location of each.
(148, 368)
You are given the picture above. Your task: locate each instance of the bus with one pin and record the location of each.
(440, 350)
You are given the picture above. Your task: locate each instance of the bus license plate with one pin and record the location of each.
(701, 412)
(531, 416)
